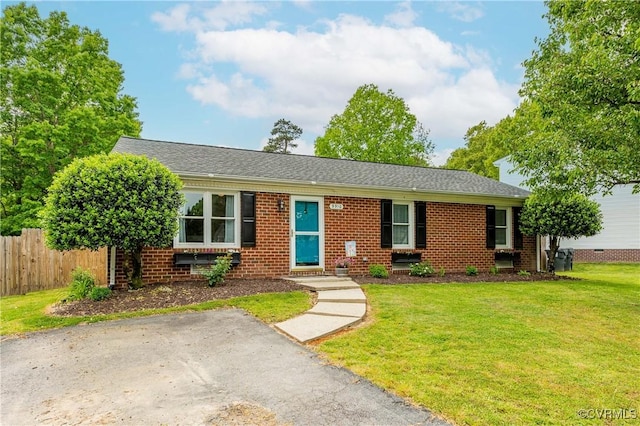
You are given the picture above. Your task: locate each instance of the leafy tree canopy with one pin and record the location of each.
(583, 82)
(116, 200)
(560, 215)
(484, 144)
(376, 127)
(59, 99)
(284, 133)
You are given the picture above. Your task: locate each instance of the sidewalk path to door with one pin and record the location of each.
(184, 369)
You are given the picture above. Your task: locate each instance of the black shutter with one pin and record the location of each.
(248, 213)
(421, 224)
(517, 233)
(386, 223)
(491, 227)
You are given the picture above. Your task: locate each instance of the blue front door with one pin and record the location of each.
(306, 236)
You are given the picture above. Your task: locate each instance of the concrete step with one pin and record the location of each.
(356, 310)
(307, 327)
(351, 295)
(328, 284)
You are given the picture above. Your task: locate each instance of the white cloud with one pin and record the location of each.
(461, 11)
(224, 14)
(308, 75)
(403, 16)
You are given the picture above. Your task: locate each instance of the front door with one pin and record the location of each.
(307, 237)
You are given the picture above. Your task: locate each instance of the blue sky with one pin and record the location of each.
(221, 73)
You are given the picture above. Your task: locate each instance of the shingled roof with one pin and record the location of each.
(189, 159)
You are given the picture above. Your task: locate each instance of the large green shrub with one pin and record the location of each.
(116, 200)
(560, 215)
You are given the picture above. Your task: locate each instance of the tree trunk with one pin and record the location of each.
(554, 244)
(132, 267)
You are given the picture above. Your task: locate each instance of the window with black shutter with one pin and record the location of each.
(518, 243)
(248, 213)
(386, 223)
(491, 227)
(421, 224)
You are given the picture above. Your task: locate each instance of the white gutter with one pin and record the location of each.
(538, 257)
(241, 179)
(112, 268)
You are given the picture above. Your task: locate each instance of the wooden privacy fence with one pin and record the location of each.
(26, 264)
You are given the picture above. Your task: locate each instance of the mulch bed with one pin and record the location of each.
(162, 295)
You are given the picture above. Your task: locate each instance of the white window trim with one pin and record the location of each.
(412, 224)
(509, 227)
(206, 205)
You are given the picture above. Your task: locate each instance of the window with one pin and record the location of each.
(401, 225)
(210, 220)
(499, 227)
(397, 224)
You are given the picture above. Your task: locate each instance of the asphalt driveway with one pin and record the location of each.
(184, 369)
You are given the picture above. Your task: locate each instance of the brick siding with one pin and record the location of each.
(607, 255)
(456, 235)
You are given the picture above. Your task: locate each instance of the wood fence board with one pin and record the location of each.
(26, 264)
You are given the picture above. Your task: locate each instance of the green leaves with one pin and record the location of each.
(118, 200)
(584, 79)
(376, 127)
(562, 215)
(59, 99)
(284, 133)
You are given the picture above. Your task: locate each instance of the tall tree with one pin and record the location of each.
(487, 144)
(116, 200)
(60, 98)
(284, 133)
(584, 79)
(377, 127)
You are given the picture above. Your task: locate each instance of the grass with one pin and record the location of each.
(21, 314)
(505, 353)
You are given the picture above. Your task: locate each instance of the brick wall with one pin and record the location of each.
(607, 255)
(455, 239)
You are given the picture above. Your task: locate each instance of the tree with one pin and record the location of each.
(59, 99)
(116, 200)
(584, 80)
(481, 150)
(284, 133)
(560, 215)
(376, 127)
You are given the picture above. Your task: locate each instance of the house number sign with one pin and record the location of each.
(336, 206)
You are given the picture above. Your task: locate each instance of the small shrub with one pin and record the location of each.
(472, 270)
(378, 271)
(422, 269)
(524, 273)
(82, 282)
(215, 273)
(99, 293)
(442, 271)
(493, 270)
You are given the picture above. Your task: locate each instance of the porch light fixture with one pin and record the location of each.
(280, 205)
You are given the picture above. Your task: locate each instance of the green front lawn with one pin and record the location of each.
(507, 353)
(21, 314)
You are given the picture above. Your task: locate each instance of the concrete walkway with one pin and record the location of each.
(341, 303)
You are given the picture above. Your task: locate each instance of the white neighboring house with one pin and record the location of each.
(619, 240)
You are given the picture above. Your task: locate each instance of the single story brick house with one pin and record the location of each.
(286, 214)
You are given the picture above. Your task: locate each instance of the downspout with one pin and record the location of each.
(112, 269)
(538, 257)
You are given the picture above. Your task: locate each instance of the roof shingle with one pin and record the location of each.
(182, 158)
